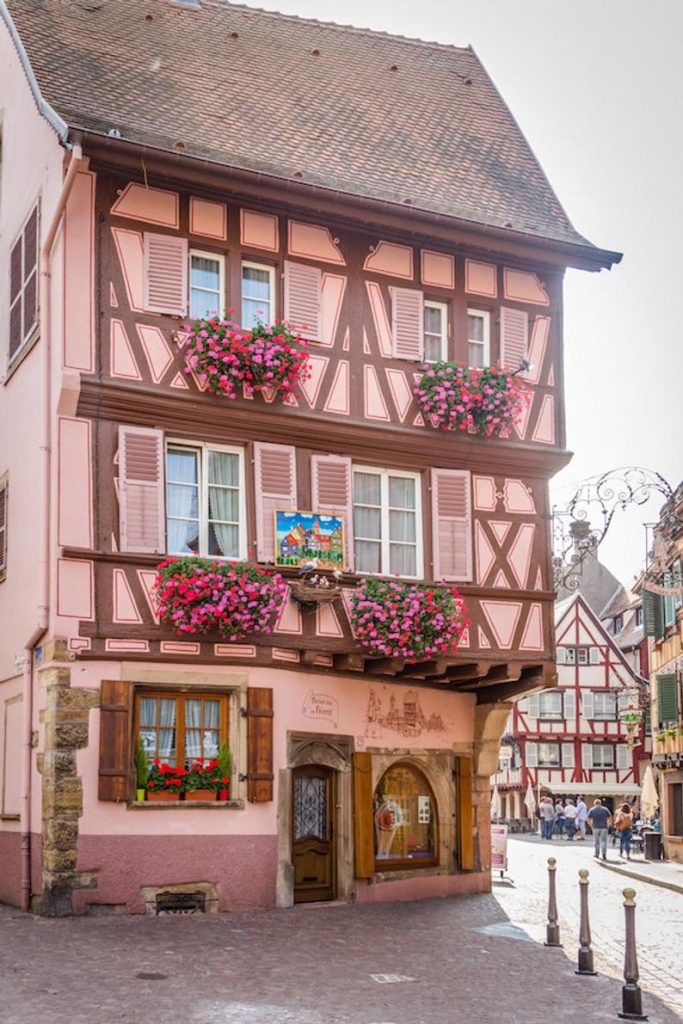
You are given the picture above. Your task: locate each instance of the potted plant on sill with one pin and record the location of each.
(141, 771)
(224, 771)
(165, 783)
(201, 781)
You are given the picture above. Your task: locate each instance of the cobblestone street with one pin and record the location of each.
(478, 959)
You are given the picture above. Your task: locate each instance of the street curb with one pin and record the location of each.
(641, 878)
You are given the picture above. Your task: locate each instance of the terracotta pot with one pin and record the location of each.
(201, 794)
(160, 796)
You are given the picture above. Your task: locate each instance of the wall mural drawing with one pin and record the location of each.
(404, 716)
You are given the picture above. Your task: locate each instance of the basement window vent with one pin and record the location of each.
(181, 903)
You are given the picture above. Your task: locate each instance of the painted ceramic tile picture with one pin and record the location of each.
(302, 537)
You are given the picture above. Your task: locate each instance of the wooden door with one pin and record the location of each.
(313, 834)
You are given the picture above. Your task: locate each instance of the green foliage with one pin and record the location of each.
(224, 761)
(141, 765)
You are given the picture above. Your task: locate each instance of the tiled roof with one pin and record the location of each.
(362, 112)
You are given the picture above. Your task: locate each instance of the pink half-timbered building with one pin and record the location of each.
(138, 191)
(570, 739)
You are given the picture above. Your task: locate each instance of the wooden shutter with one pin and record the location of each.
(451, 524)
(116, 726)
(586, 703)
(363, 827)
(23, 284)
(332, 490)
(534, 705)
(624, 759)
(667, 699)
(275, 487)
(531, 755)
(407, 323)
(514, 337)
(302, 299)
(3, 527)
(567, 755)
(653, 614)
(594, 655)
(586, 755)
(560, 656)
(141, 490)
(465, 814)
(166, 272)
(259, 744)
(569, 698)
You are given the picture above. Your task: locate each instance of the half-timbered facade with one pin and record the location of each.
(573, 739)
(355, 776)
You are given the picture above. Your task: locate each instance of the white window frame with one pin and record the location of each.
(553, 716)
(384, 475)
(603, 746)
(602, 716)
(273, 297)
(582, 657)
(548, 764)
(570, 656)
(203, 448)
(443, 337)
(220, 260)
(486, 316)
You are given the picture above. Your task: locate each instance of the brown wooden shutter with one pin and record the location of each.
(275, 489)
(451, 524)
(465, 814)
(407, 323)
(116, 725)
(514, 337)
(259, 744)
(30, 273)
(332, 489)
(363, 828)
(166, 272)
(302, 299)
(3, 527)
(141, 490)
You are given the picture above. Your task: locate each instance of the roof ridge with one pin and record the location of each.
(351, 29)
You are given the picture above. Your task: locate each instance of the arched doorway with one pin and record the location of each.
(314, 833)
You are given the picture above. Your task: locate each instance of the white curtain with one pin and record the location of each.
(224, 503)
(182, 502)
(367, 521)
(201, 737)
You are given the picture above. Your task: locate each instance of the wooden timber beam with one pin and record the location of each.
(515, 688)
(498, 674)
(349, 662)
(385, 666)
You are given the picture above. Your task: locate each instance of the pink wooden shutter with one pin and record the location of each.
(333, 494)
(15, 296)
(30, 273)
(407, 323)
(514, 337)
(141, 490)
(3, 527)
(302, 299)
(165, 274)
(275, 486)
(451, 524)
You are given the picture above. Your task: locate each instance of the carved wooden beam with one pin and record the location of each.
(505, 691)
(349, 662)
(506, 673)
(425, 669)
(385, 666)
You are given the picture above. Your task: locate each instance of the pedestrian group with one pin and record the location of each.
(571, 819)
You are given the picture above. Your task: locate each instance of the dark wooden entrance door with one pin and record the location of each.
(313, 834)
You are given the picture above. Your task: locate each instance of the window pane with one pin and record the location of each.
(433, 349)
(368, 556)
(181, 466)
(367, 522)
(205, 273)
(223, 505)
(256, 282)
(224, 468)
(224, 541)
(475, 354)
(433, 320)
(254, 312)
(182, 536)
(403, 560)
(182, 502)
(212, 713)
(475, 328)
(404, 815)
(203, 303)
(401, 492)
(148, 711)
(367, 488)
(402, 526)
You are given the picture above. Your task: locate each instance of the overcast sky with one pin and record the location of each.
(596, 87)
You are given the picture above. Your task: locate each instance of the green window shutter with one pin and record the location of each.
(667, 699)
(653, 614)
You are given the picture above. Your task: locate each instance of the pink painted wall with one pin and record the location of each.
(293, 708)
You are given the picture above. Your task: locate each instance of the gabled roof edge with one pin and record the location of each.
(44, 109)
(579, 599)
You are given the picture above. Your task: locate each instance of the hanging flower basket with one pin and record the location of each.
(197, 595)
(405, 620)
(311, 593)
(483, 401)
(235, 362)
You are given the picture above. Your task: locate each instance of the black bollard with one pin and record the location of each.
(553, 928)
(585, 951)
(631, 995)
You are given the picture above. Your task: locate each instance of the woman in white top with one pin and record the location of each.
(570, 815)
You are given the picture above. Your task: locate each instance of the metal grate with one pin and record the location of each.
(181, 903)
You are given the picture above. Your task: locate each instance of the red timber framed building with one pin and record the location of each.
(398, 233)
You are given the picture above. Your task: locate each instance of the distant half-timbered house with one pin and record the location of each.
(376, 193)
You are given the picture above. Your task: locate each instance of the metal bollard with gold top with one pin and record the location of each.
(553, 927)
(631, 995)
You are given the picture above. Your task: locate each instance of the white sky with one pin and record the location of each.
(596, 87)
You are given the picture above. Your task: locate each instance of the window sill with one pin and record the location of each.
(190, 805)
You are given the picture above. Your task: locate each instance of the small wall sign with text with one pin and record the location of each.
(321, 706)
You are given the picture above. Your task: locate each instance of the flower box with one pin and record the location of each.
(160, 796)
(485, 401)
(200, 794)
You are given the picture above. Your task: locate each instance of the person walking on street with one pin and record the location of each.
(600, 819)
(623, 822)
(581, 818)
(559, 818)
(570, 816)
(547, 811)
